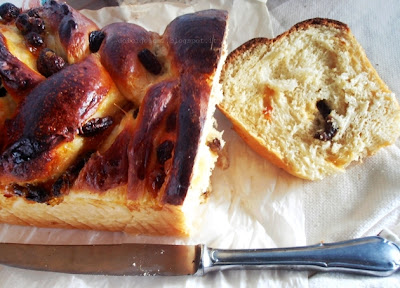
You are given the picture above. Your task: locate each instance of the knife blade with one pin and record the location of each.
(373, 255)
(114, 259)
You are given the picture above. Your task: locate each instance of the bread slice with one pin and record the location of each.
(309, 100)
(122, 138)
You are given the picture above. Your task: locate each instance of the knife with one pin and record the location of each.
(373, 255)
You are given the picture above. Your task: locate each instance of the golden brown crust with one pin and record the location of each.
(50, 115)
(137, 178)
(69, 26)
(178, 98)
(119, 55)
(108, 170)
(145, 164)
(196, 43)
(17, 77)
(251, 44)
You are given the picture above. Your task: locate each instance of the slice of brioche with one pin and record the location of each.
(271, 89)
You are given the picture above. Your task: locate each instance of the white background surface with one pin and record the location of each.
(254, 204)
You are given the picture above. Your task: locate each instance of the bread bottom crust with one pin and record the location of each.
(96, 214)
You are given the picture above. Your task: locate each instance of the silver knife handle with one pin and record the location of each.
(369, 256)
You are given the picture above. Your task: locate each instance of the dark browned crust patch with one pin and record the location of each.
(158, 103)
(196, 40)
(172, 112)
(72, 27)
(46, 192)
(51, 114)
(109, 169)
(17, 78)
(196, 43)
(191, 116)
(119, 52)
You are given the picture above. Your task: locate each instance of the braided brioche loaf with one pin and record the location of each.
(309, 100)
(107, 129)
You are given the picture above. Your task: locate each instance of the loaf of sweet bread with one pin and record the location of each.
(107, 129)
(309, 100)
